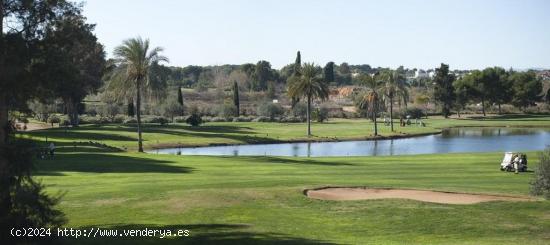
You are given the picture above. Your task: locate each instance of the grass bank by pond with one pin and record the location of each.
(174, 135)
(259, 200)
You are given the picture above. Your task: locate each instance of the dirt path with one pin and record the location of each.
(345, 193)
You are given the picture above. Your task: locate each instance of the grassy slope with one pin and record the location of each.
(258, 199)
(249, 132)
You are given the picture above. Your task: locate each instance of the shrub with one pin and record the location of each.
(218, 119)
(54, 119)
(65, 121)
(119, 119)
(227, 111)
(155, 119)
(262, 119)
(87, 119)
(194, 120)
(270, 110)
(299, 110)
(540, 186)
(291, 120)
(242, 119)
(171, 109)
(180, 119)
(129, 120)
(320, 114)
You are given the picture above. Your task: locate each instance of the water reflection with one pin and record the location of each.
(451, 140)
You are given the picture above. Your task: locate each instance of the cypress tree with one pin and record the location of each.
(180, 98)
(236, 97)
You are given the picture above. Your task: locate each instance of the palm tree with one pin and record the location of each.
(370, 99)
(310, 85)
(135, 62)
(394, 86)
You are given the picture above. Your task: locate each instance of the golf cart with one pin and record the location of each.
(514, 161)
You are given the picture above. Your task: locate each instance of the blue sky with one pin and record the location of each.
(467, 34)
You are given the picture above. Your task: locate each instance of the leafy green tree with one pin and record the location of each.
(443, 90)
(135, 69)
(172, 108)
(328, 71)
(526, 89)
(78, 70)
(464, 91)
(23, 201)
(344, 74)
(498, 86)
(548, 96)
(262, 74)
(370, 99)
(236, 101)
(309, 85)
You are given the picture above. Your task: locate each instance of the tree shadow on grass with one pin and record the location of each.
(282, 160)
(198, 234)
(105, 163)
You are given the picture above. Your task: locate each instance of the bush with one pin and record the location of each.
(172, 108)
(129, 120)
(110, 110)
(540, 186)
(65, 121)
(86, 119)
(218, 119)
(299, 110)
(155, 119)
(262, 119)
(270, 110)
(54, 119)
(227, 111)
(119, 119)
(291, 120)
(180, 119)
(194, 120)
(320, 114)
(243, 119)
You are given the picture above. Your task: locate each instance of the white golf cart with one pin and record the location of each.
(514, 161)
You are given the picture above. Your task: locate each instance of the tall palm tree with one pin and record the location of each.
(394, 86)
(135, 62)
(370, 99)
(308, 84)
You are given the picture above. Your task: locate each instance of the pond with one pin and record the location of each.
(450, 140)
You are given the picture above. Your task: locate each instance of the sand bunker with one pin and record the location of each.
(359, 193)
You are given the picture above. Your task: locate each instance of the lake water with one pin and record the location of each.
(451, 140)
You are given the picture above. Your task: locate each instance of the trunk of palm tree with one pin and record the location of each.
(483, 106)
(308, 115)
(374, 118)
(138, 114)
(391, 113)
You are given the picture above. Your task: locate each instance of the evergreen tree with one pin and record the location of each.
(444, 91)
(180, 98)
(236, 97)
(329, 72)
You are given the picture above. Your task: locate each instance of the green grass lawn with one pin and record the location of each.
(259, 200)
(125, 136)
(251, 200)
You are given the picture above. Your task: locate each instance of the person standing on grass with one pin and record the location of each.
(52, 149)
